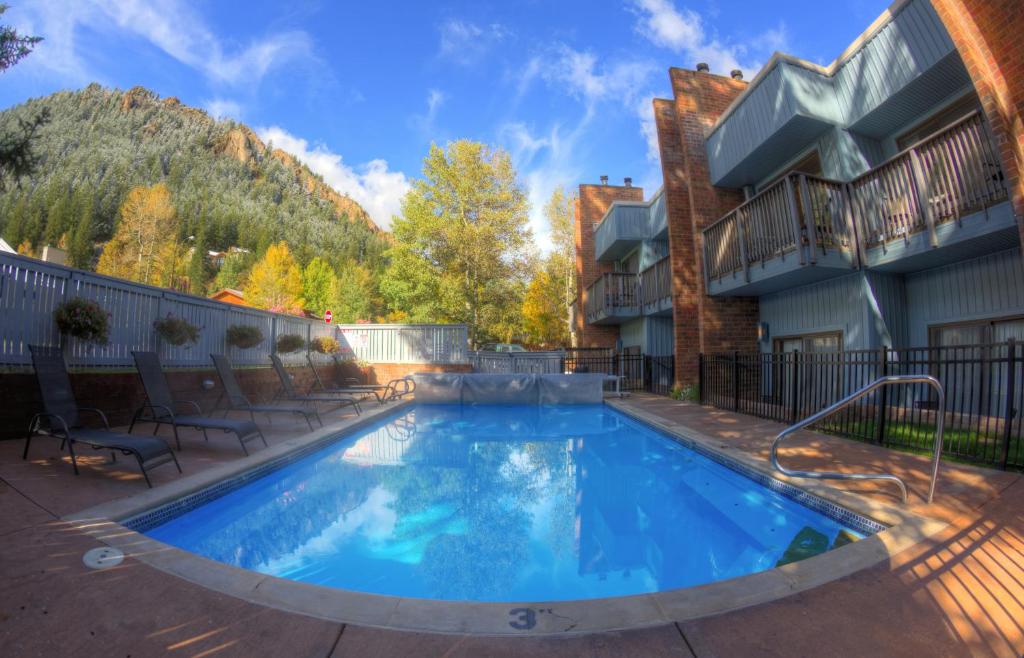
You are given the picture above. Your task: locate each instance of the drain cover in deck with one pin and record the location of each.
(103, 558)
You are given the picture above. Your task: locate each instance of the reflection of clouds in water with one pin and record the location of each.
(373, 519)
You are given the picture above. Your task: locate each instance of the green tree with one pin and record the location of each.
(16, 156)
(199, 264)
(461, 247)
(232, 273)
(318, 285)
(275, 281)
(82, 248)
(354, 294)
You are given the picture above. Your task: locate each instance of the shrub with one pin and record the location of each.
(176, 331)
(325, 345)
(243, 336)
(290, 343)
(689, 393)
(83, 319)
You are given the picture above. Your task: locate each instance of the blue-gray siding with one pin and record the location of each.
(988, 287)
(907, 68)
(653, 335)
(874, 309)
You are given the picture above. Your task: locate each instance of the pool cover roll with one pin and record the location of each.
(438, 387)
(499, 389)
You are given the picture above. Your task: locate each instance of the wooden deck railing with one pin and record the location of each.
(656, 282)
(612, 290)
(944, 176)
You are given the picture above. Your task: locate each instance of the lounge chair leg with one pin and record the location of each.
(74, 461)
(143, 469)
(308, 421)
(264, 439)
(135, 417)
(318, 418)
(28, 440)
(177, 439)
(113, 457)
(205, 435)
(242, 441)
(156, 428)
(175, 458)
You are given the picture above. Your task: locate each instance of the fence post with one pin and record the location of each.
(736, 380)
(795, 388)
(883, 395)
(1010, 412)
(700, 377)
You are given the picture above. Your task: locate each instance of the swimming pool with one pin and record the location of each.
(504, 503)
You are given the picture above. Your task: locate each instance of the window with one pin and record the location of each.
(831, 341)
(958, 110)
(973, 366)
(809, 164)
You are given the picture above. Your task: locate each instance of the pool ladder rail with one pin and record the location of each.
(889, 380)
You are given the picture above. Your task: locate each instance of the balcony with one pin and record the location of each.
(613, 298)
(656, 288)
(797, 231)
(623, 227)
(940, 200)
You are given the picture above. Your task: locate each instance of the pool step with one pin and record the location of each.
(809, 542)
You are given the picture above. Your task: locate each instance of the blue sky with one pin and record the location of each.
(359, 90)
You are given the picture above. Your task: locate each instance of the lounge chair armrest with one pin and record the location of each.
(152, 409)
(63, 423)
(193, 403)
(103, 416)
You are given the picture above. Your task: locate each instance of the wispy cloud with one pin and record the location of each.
(683, 31)
(172, 27)
(372, 185)
(222, 108)
(465, 43)
(425, 123)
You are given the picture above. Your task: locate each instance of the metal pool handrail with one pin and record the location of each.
(847, 401)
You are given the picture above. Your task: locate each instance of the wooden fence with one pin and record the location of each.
(30, 291)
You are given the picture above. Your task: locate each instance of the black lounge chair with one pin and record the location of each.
(161, 406)
(238, 402)
(363, 391)
(395, 389)
(288, 392)
(61, 419)
(399, 388)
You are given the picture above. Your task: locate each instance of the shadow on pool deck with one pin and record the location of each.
(961, 593)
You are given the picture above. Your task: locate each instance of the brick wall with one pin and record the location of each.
(989, 35)
(119, 394)
(701, 323)
(591, 206)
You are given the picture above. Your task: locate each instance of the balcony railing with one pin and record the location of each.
(793, 213)
(613, 293)
(937, 180)
(656, 283)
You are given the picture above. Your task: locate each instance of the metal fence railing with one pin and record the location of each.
(30, 291)
(984, 387)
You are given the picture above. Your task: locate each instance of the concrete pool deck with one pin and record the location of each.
(958, 593)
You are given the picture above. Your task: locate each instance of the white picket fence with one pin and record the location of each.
(30, 291)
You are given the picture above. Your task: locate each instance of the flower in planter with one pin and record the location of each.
(83, 319)
(290, 343)
(243, 336)
(325, 345)
(176, 331)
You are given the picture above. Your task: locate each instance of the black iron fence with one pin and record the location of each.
(984, 386)
(638, 372)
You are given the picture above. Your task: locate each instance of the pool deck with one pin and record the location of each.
(959, 593)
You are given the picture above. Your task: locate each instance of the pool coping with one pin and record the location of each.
(528, 618)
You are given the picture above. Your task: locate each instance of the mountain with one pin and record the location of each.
(228, 187)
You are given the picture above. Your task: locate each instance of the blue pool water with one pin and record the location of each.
(501, 504)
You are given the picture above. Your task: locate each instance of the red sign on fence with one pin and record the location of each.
(327, 316)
